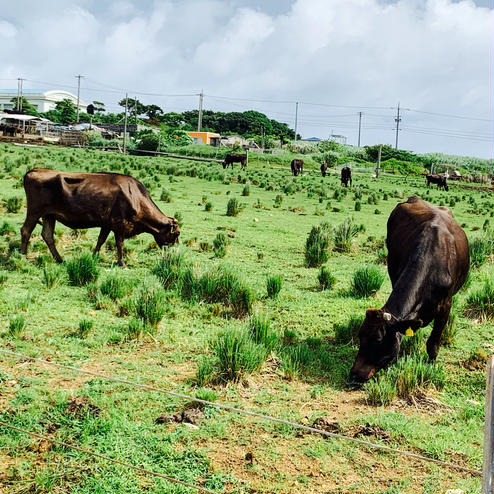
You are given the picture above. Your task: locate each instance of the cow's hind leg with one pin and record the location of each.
(440, 321)
(47, 234)
(103, 235)
(26, 230)
(119, 240)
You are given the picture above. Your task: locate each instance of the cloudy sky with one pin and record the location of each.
(335, 57)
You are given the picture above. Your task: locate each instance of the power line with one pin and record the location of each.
(295, 425)
(107, 458)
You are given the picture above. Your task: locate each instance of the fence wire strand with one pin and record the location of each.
(230, 408)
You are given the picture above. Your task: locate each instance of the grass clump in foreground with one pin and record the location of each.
(233, 207)
(115, 286)
(260, 331)
(317, 245)
(82, 269)
(274, 285)
(169, 268)
(325, 278)
(410, 374)
(367, 281)
(480, 249)
(16, 325)
(235, 354)
(150, 304)
(480, 303)
(344, 234)
(348, 332)
(51, 275)
(85, 325)
(220, 243)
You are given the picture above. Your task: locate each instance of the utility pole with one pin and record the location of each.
(296, 119)
(397, 120)
(125, 122)
(19, 93)
(378, 161)
(199, 120)
(78, 77)
(135, 109)
(359, 126)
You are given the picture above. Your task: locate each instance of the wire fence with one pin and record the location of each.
(230, 408)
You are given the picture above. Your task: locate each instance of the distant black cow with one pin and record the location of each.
(346, 176)
(297, 166)
(324, 167)
(440, 180)
(235, 158)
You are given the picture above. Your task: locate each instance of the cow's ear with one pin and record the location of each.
(373, 314)
(402, 326)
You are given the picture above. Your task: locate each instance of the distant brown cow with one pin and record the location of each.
(346, 176)
(297, 166)
(428, 262)
(235, 158)
(440, 180)
(111, 201)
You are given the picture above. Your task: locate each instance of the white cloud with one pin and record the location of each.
(433, 55)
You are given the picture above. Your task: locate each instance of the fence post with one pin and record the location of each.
(488, 467)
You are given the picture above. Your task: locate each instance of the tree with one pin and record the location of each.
(153, 111)
(67, 111)
(134, 106)
(27, 108)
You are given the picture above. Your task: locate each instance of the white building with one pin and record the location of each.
(43, 100)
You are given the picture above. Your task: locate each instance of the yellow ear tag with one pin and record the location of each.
(409, 332)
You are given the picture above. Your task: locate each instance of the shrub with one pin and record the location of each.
(480, 303)
(16, 325)
(343, 235)
(115, 286)
(260, 331)
(233, 207)
(317, 245)
(170, 266)
(150, 304)
(13, 204)
(325, 278)
(273, 285)
(367, 281)
(237, 355)
(219, 245)
(380, 391)
(85, 325)
(51, 274)
(348, 332)
(83, 269)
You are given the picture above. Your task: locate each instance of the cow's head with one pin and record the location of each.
(168, 234)
(380, 339)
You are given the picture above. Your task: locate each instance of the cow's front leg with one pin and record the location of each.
(440, 322)
(26, 230)
(47, 234)
(103, 235)
(119, 240)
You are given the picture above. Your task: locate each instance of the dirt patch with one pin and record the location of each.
(190, 415)
(81, 406)
(477, 361)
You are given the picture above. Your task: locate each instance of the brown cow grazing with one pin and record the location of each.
(235, 158)
(297, 166)
(346, 176)
(324, 167)
(428, 262)
(440, 180)
(111, 201)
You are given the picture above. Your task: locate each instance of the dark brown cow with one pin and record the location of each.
(346, 176)
(428, 262)
(297, 166)
(324, 167)
(111, 201)
(440, 180)
(235, 158)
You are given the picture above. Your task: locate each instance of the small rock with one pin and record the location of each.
(256, 220)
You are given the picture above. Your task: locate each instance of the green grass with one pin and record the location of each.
(297, 336)
(366, 281)
(82, 269)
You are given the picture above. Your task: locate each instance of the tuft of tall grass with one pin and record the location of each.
(51, 275)
(82, 269)
(208, 206)
(85, 325)
(13, 204)
(480, 303)
(246, 191)
(317, 245)
(325, 278)
(220, 243)
(380, 391)
(169, 268)
(367, 281)
(413, 345)
(166, 195)
(150, 304)
(115, 286)
(233, 207)
(296, 358)
(480, 249)
(16, 325)
(260, 331)
(451, 328)
(135, 328)
(348, 332)
(344, 234)
(274, 285)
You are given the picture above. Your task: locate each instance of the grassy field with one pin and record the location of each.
(300, 376)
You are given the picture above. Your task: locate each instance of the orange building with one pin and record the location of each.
(210, 138)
